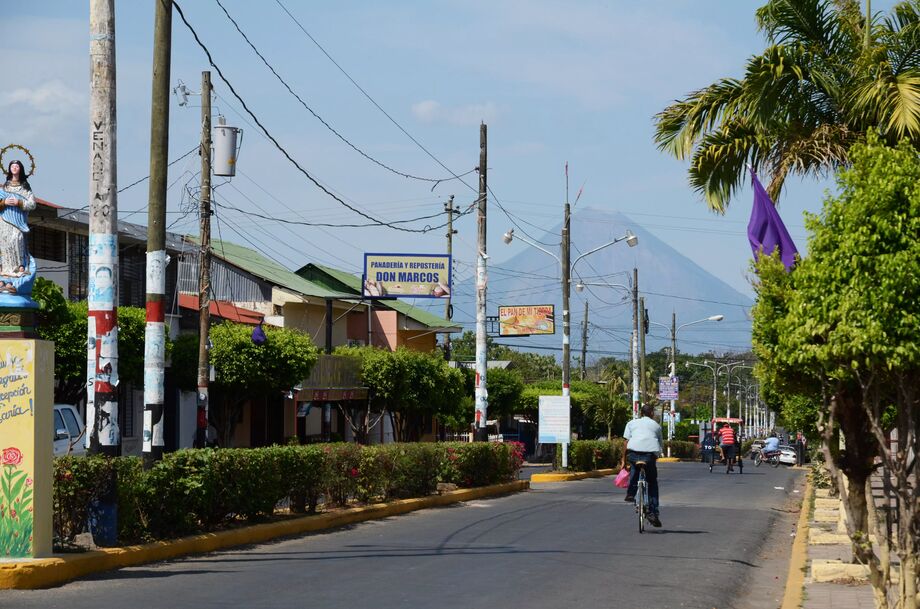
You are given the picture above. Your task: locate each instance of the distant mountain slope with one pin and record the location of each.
(668, 280)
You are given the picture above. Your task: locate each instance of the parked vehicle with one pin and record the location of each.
(787, 454)
(68, 431)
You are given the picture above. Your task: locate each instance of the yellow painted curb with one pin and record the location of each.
(795, 580)
(597, 473)
(46, 572)
(669, 460)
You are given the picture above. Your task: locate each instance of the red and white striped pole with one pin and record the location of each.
(102, 289)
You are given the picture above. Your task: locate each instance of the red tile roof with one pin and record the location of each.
(223, 309)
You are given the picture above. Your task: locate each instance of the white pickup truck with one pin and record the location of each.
(68, 431)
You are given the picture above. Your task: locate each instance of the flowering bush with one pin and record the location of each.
(195, 490)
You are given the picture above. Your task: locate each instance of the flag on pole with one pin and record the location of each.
(766, 230)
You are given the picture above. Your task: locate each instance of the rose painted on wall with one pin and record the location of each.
(16, 488)
(11, 456)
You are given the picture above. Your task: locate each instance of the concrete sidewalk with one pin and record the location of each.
(831, 581)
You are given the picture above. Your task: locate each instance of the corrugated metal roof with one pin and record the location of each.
(269, 270)
(353, 282)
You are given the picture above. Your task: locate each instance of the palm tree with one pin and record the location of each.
(828, 76)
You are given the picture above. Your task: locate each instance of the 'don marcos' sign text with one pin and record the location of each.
(407, 275)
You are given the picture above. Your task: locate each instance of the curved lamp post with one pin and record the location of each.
(567, 268)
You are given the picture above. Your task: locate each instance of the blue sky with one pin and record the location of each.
(554, 81)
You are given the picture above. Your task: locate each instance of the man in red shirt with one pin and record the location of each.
(727, 441)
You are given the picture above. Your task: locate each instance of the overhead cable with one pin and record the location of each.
(281, 148)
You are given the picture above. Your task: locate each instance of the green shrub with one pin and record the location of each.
(746, 446)
(590, 455)
(78, 481)
(682, 450)
(197, 490)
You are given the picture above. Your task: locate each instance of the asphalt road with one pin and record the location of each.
(573, 544)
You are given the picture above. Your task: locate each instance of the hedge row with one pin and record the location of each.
(192, 491)
(588, 455)
(682, 449)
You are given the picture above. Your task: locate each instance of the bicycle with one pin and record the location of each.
(641, 495)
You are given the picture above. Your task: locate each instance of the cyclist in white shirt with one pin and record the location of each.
(643, 443)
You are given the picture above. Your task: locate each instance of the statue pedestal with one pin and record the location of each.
(26, 438)
(16, 320)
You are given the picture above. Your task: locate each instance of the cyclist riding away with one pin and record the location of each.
(727, 440)
(643, 443)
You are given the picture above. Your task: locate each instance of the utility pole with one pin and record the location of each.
(643, 322)
(635, 343)
(155, 330)
(566, 292)
(448, 309)
(584, 343)
(673, 374)
(102, 293)
(204, 266)
(482, 395)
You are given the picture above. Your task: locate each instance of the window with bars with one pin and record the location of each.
(79, 266)
(127, 404)
(48, 243)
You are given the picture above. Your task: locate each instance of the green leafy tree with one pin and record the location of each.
(840, 329)
(410, 385)
(531, 366)
(243, 369)
(826, 78)
(64, 323)
(505, 388)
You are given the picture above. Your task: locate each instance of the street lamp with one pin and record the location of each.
(728, 391)
(567, 269)
(580, 286)
(711, 367)
(674, 330)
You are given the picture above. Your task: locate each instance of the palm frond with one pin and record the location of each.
(814, 152)
(681, 125)
(805, 22)
(891, 102)
(719, 162)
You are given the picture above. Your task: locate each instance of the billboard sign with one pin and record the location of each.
(553, 424)
(406, 276)
(667, 388)
(524, 320)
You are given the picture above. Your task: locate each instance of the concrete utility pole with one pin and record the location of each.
(102, 293)
(643, 323)
(566, 293)
(155, 330)
(635, 343)
(482, 395)
(448, 309)
(204, 266)
(672, 375)
(584, 343)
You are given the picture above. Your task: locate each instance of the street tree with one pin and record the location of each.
(828, 76)
(410, 386)
(64, 323)
(244, 371)
(841, 328)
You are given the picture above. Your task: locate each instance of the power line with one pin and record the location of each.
(279, 146)
(371, 99)
(321, 119)
(147, 177)
(327, 224)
